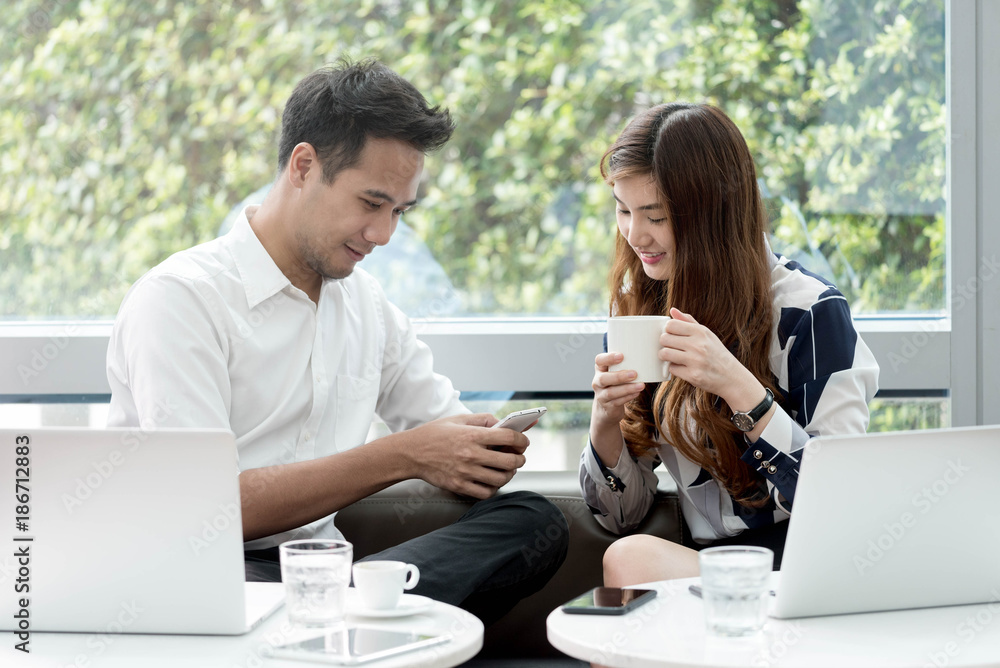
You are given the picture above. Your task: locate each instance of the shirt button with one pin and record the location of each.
(765, 463)
(757, 454)
(307, 436)
(772, 469)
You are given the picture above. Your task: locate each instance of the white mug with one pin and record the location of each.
(637, 337)
(381, 583)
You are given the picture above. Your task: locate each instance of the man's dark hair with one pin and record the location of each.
(337, 109)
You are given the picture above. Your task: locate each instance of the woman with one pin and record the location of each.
(762, 355)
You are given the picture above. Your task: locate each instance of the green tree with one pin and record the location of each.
(130, 129)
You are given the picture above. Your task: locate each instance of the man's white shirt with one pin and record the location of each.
(217, 336)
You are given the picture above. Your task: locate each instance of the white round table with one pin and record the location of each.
(92, 650)
(669, 631)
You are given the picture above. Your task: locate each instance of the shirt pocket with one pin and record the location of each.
(356, 399)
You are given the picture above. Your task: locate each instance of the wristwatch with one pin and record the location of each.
(746, 421)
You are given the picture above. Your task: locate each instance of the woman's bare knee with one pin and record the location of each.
(641, 558)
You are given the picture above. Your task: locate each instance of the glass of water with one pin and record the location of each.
(735, 584)
(316, 574)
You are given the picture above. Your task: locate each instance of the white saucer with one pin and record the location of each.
(409, 604)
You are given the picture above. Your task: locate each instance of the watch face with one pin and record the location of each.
(743, 421)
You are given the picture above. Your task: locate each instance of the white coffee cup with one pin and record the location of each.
(380, 584)
(637, 337)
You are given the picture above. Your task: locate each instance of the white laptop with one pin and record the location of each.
(124, 531)
(892, 521)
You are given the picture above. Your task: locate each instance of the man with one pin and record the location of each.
(272, 332)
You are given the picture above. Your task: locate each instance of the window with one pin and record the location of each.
(140, 125)
(135, 128)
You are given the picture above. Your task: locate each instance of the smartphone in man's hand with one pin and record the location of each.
(521, 420)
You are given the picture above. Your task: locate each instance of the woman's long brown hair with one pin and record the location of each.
(707, 183)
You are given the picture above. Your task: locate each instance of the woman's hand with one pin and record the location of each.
(696, 355)
(612, 389)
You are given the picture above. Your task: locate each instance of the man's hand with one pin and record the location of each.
(463, 455)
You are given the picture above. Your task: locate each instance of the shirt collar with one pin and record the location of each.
(260, 275)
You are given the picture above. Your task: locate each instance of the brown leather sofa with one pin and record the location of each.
(414, 507)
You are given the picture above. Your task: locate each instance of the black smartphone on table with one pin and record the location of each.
(608, 601)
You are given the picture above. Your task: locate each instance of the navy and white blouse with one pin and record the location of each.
(826, 375)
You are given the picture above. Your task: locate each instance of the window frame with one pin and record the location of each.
(972, 221)
(478, 354)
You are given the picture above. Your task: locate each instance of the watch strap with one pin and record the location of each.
(747, 420)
